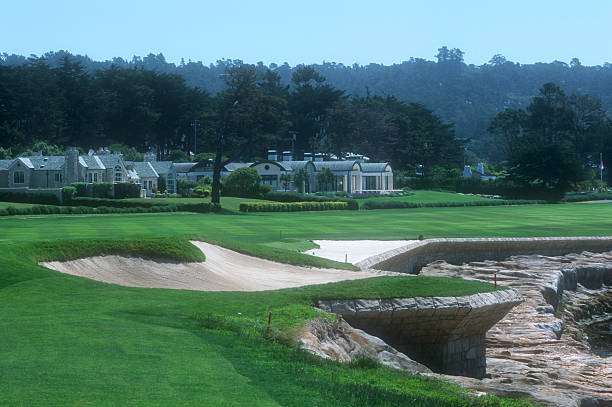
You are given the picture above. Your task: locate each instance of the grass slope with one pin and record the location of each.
(72, 341)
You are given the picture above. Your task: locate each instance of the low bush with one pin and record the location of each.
(298, 197)
(127, 190)
(388, 204)
(41, 199)
(292, 206)
(592, 196)
(204, 207)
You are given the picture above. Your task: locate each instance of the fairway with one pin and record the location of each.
(73, 341)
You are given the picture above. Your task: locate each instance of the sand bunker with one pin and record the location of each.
(223, 270)
(355, 250)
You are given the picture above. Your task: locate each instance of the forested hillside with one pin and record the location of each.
(467, 96)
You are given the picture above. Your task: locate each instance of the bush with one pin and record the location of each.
(183, 186)
(243, 182)
(42, 199)
(297, 197)
(204, 207)
(102, 189)
(127, 190)
(292, 206)
(201, 191)
(81, 188)
(68, 194)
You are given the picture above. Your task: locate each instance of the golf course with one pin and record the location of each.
(72, 341)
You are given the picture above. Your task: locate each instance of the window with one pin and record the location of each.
(118, 173)
(92, 177)
(339, 183)
(369, 183)
(59, 178)
(18, 177)
(271, 180)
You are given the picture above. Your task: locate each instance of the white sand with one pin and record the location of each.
(223, 270)
(354, 250)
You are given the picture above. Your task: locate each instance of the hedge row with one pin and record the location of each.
(78, 210)
(114, 203)
(292, 206)
(297, 197)
(594, 196)
(41, 199)
(374, 204)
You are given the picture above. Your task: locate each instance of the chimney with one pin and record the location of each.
(287, 156)
(272, 156)
(150, 156)
(72, 165)
(307, 156)
(480, 169)
(467, 172)
(319, 157)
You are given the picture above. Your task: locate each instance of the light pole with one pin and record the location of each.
(293, 137)
(195, 125)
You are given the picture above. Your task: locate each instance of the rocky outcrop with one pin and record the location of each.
(339, 341)
(540, 348)
(410, 258)
(447, 334)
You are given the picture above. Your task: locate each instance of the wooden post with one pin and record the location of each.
(495, 280)
(281, 234)
(346, 258)
(269, 321)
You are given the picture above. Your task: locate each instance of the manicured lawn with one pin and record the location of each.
(73, 341)
(421, 196)
(227, 202)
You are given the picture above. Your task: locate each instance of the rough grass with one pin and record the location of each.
(73, 341)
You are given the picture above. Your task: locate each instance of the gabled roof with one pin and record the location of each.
(162, 167)
(92, 162)
(294, 165)
(110, 160)
(5, 164)
(51, 163)
(374, 167)
(25, 161)
(183, 167)
(145, 170)
(335, 165)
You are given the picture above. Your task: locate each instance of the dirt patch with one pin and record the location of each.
(223, 270)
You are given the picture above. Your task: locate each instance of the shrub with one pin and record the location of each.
(297, 197)
(204, 207)
(183, 186)
(102, 189)
(292, 206)
(81, 188)
(127, 190)
(387, 204)
(42, 199)
(243, 182)
(201, 191)
(68, 194)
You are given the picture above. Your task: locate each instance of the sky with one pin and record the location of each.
(313, 31)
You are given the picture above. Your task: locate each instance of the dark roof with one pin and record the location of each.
(93, 162)
(5, 164)
(374, 167)
(335, 165)
(162, 167)
(145, 170)
(183, 167)
(110, 160)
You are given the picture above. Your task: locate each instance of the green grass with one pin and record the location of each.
(421, 196)
(73, 341)
(227, 202)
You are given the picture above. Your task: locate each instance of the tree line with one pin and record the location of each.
(468, 96)
(140, 110)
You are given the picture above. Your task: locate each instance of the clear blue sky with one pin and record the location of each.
(311, 31)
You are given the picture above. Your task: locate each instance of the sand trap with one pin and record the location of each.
(355, 250)
(223, 270)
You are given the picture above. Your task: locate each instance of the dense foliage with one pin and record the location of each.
(292, 206)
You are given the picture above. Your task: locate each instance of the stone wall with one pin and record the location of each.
(446, 334)
(411, 258)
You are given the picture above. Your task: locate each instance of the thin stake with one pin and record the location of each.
(281, 234)
(346, 258)
(495, 280)
(269, 321)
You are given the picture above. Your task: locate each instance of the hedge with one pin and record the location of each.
(81, 188)
(127, 190)
(102, 189)
(41, 199)
(297, 197)
(292, 206)
(78, 210)
(593, 196)
(375, 204)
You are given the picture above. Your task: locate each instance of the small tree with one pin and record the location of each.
(325, 178)
(244, 182)
(300, 179)
(285, 180)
